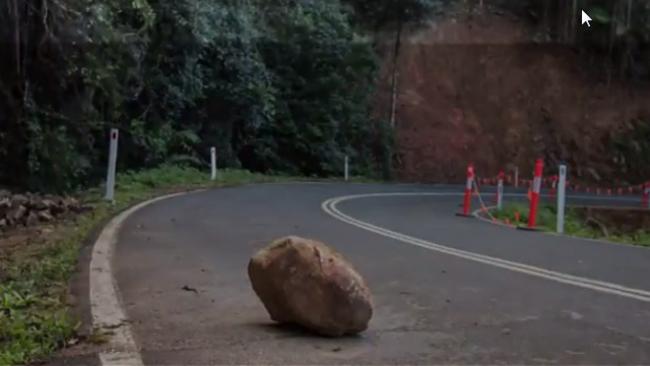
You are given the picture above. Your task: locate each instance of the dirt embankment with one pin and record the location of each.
(615, 221)
(480, 90)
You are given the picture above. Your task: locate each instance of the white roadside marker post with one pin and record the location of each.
(516, 177)
(500, 191)
(346, 168)
(561, 199)
(213, 162)
(112, 163)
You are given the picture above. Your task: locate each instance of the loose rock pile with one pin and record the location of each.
(304, 282)
(31, 209)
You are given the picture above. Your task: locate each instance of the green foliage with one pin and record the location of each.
(384, 13)
(28, 329)
(631, 151)
(322, 77)
(619, 36)
(574, 224)
(600, 15)
(281, 86)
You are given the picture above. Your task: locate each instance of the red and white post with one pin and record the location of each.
(469, 185)
(535, 193)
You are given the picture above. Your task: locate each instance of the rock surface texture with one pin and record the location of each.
(31, 209)
(304, 282)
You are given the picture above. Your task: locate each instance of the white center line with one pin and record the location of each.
(330, 207)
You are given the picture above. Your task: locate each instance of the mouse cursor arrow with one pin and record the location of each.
(586, 19)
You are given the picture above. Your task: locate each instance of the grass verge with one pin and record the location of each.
(575, 224)
(34, 317)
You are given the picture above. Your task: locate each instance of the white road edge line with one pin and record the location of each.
(105, 302)
(330, 207)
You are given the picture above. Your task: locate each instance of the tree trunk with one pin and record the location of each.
(398, 43)
(17, 37)
(629, 14)
(546, 16)
(574, 20)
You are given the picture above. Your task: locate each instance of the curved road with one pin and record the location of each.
(469, 292)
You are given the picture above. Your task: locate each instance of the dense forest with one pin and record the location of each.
(277, 86)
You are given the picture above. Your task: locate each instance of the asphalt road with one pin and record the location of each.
(431, 307)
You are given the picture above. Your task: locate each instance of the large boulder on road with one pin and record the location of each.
(304, 282)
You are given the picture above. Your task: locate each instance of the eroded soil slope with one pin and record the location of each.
(479, 89)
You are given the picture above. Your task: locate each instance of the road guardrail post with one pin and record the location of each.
(112, 165)
(516, 177)
(537, 188)
(561, 198)
(469, 185)
(500, 191)
(213, 163)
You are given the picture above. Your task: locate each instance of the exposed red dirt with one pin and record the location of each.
(480, 90)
